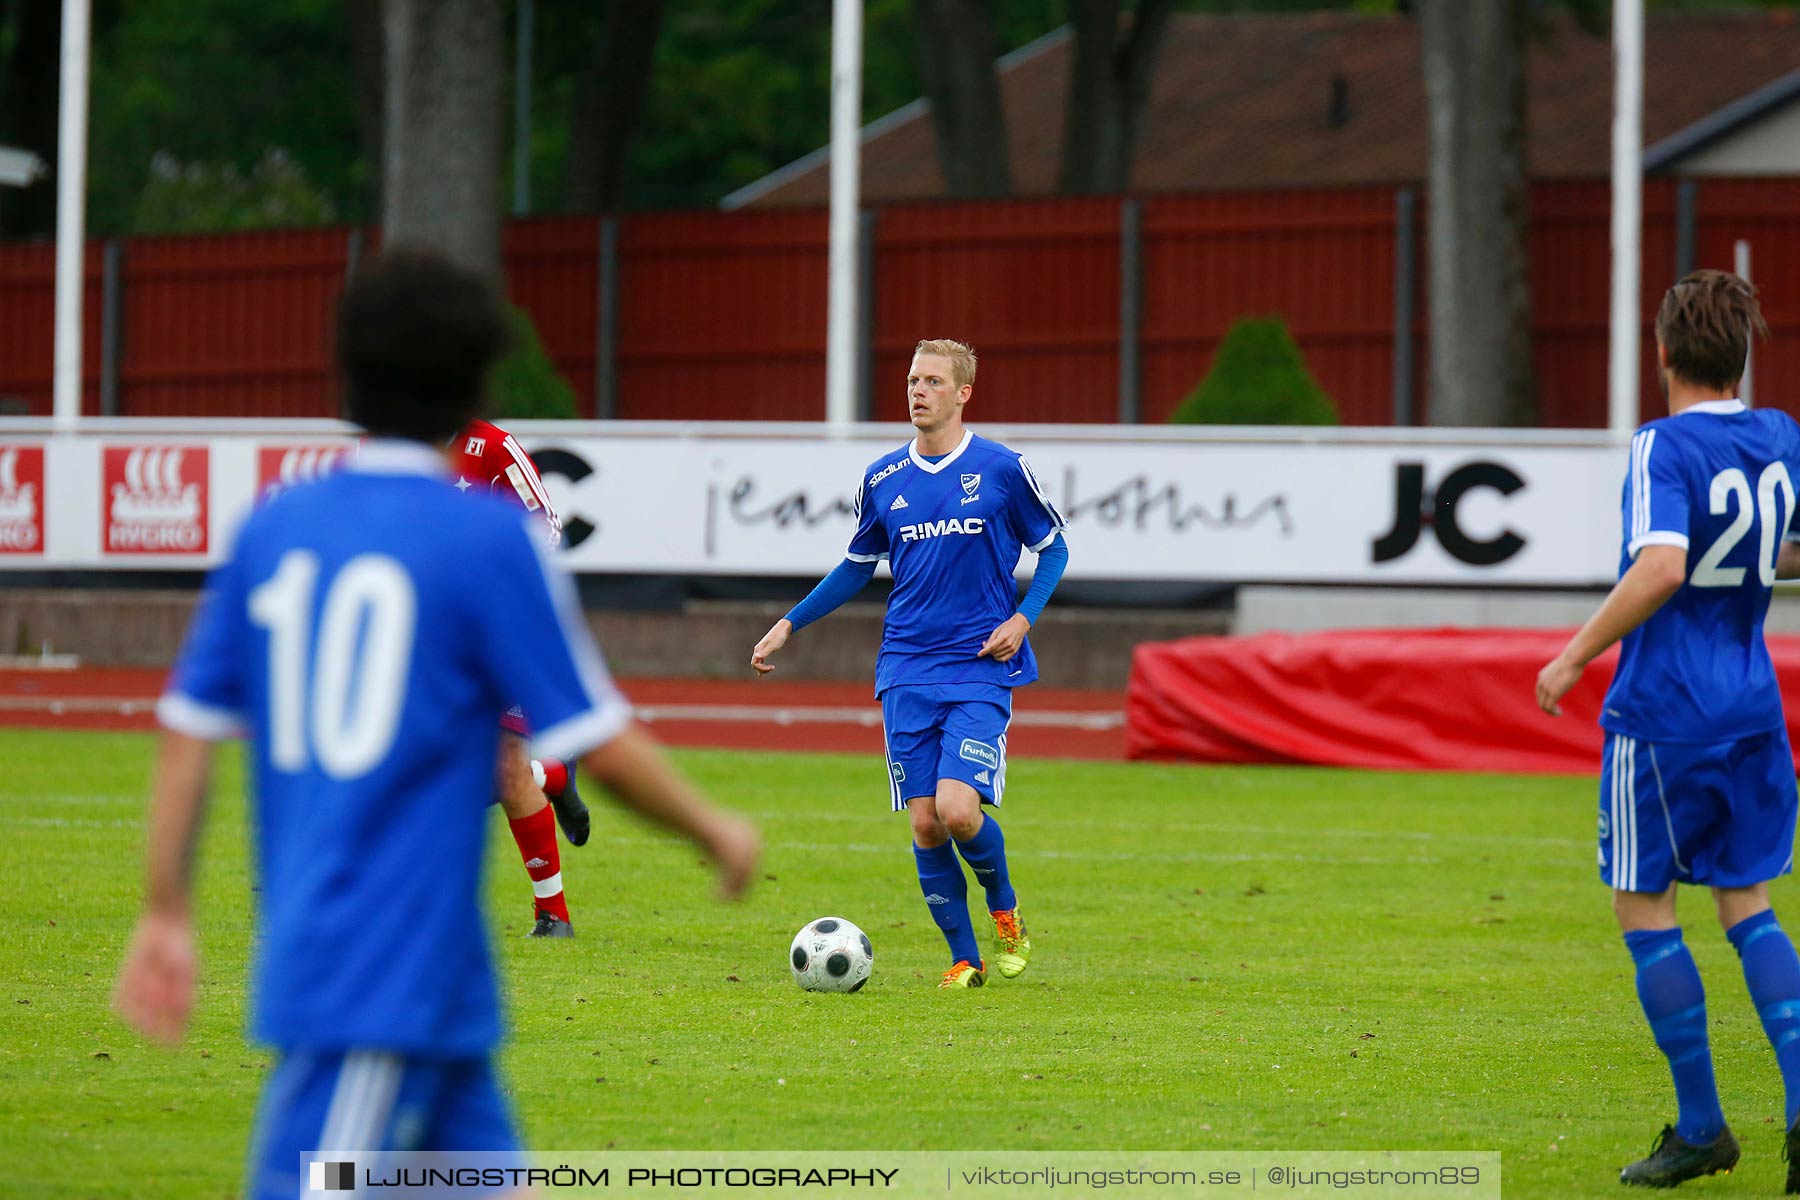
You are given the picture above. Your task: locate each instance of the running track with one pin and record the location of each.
(737, 714)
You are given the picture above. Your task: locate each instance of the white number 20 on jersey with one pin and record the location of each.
(1733, 485)
(365, 639)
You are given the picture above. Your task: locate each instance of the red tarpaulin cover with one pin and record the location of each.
(1426, 699)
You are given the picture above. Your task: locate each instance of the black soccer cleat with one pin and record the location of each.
(571, 812)
(1790, 1152)
(554, 927)
(1673, 1161)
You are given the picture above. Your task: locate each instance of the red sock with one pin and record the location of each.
(556, 776)
(536, 836)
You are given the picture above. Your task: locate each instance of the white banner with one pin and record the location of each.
(1350, 506)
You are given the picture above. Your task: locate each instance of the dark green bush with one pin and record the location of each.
(1258, 377)
(525, 384)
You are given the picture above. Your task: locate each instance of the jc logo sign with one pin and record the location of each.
(1416, 507)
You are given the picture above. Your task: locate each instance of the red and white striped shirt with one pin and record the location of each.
(488, 457)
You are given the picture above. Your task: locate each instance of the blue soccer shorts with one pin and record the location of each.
(946, 731)
(1720, 814)
(370, 1101)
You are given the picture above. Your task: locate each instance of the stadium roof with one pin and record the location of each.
(1338, 99)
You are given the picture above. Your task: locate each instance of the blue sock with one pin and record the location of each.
(986, 855)
(1668, 986)
(947, 895)
(1773, 972)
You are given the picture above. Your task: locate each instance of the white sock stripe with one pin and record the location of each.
(887, 763)
(1631, 870)
(1617, 830)
(543, 889)
(379, 1113)
(345, 1096)
(1625, 852)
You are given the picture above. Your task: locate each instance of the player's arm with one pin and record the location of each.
(845, 580)
(202, 705)
(1009, 635)
(1787, 561)
(1655, 575)
(868, 546)
(635, 772)
(540, 652)
(1040, 528)
(156, 985)
(520, 475)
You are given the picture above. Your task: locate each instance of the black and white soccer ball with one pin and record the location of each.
(831, 955)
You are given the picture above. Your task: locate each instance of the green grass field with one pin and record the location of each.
(1226, 959)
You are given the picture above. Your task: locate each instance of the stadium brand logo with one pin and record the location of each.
(882, 474)
(931, 529)
(980, 753)
(279, 468)
(332, 1176)
(1415, 507)
(21, 499)
(155, 499)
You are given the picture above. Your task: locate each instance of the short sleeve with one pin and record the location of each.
(1030, 510)
(537, 649)
(1656, 500)
(207, 693)
(870, 541)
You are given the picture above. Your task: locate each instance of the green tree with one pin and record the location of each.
(210, 196)
(1258, 377)
(525, 384)
(219, 84)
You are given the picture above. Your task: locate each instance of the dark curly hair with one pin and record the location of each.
(416, 336)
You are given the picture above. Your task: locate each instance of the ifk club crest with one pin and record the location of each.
(154, 499)
(21, 499)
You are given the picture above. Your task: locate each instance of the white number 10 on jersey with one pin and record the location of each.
(365, 639)
(1730, 485)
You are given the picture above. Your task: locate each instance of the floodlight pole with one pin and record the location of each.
(524, 39)
(1627, 214)
(846, 124)
(71, 216)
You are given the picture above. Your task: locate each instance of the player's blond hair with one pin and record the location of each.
(961, 356)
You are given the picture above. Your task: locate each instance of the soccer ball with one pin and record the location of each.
(831, 955)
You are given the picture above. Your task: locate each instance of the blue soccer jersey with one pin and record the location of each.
(1717, 480)
(952, 531)
(364, 632)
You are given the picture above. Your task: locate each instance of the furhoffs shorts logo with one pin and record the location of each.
(980, 753)
(333, 1177)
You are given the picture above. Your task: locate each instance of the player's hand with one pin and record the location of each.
(1554, 682)
(772, 641)
(735, 846)
(1006, 639)
(155, 992)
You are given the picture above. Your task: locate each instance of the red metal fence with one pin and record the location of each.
(722, 315)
